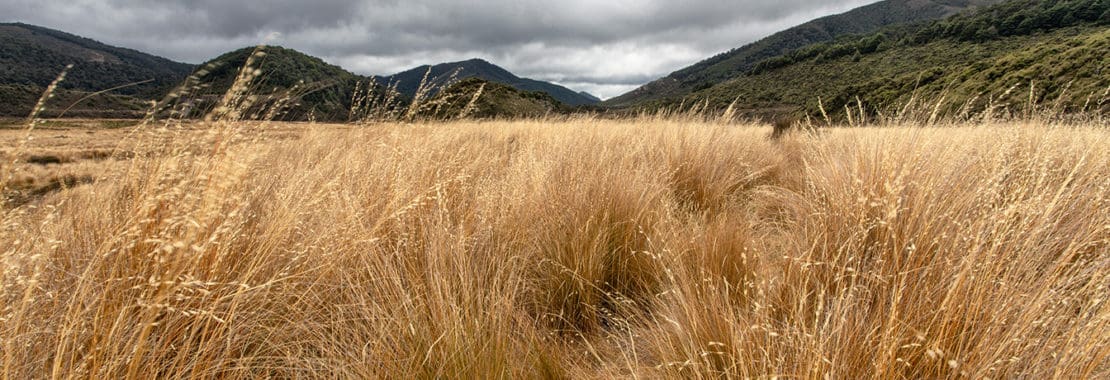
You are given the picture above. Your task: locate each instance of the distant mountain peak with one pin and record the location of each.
(408, 81)
(479, 61)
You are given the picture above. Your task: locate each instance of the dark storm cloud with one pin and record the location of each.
(606, 47)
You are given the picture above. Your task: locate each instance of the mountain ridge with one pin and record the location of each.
(1055, 50)
(318, 90)
(35, 55)
(724, 66)
(409, 80)
(31, 57)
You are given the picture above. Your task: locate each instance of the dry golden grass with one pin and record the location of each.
(568, 249)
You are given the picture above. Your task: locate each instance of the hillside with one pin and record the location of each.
(16, 101)
(497, 100)
(1059, 47)
(408, 81)
(324, 92)
(319, 90)
(735, 62)
(31, 57)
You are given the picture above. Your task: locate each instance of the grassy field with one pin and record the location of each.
(577, 248)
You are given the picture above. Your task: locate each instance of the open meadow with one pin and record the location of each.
(524, 189)
(556, 248)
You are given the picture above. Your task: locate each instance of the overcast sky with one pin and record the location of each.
(606, 47)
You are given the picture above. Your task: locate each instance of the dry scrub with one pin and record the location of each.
(576, 249)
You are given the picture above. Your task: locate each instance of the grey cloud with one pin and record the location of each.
(603, 46)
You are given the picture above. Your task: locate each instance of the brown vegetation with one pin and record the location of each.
(577, 248)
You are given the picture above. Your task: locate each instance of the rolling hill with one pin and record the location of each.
(32, 56)
(728, 65)
(497, 100)
(315, 89)
(1055, 51)
(408, 81)
(325, 91)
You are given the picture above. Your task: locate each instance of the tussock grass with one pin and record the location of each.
(577, 248)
